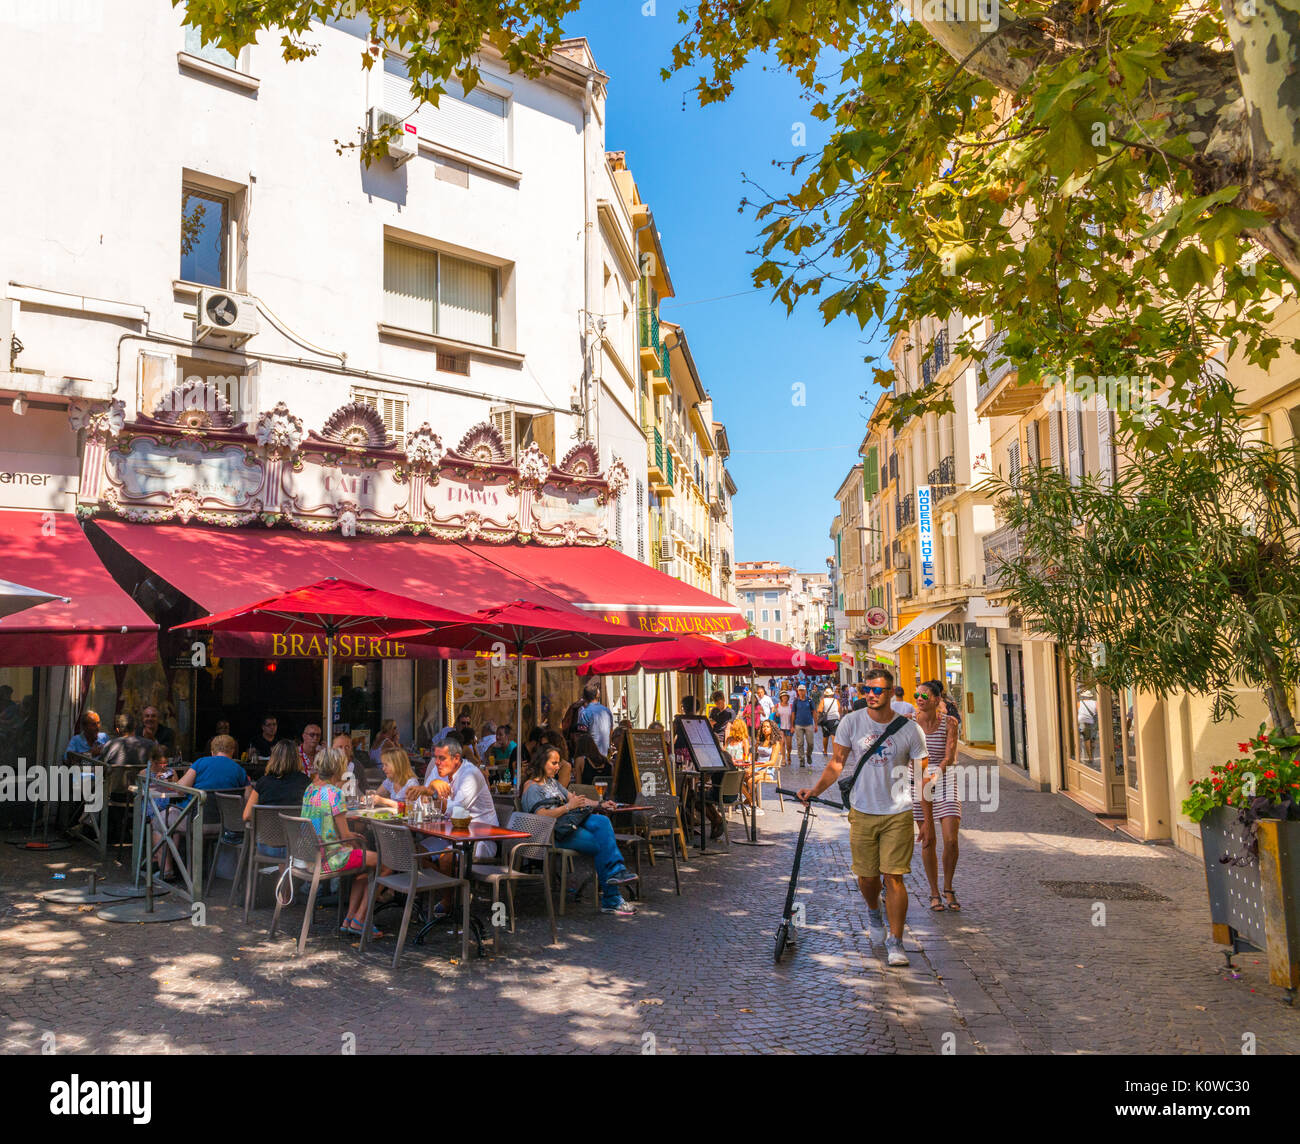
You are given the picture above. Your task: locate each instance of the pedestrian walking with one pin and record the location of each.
(784, 717)
(803, 719)
(878, 744)
(900, 705)
(934, 799)
(828, 717)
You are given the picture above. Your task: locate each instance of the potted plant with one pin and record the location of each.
(1249, 813)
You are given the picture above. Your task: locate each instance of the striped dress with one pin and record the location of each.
(946, 803)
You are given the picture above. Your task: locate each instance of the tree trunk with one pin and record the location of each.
(1276, 694)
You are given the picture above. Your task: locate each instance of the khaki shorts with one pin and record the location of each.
(881, 843)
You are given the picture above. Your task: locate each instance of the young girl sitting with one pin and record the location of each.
(325, 806)
(399, 778)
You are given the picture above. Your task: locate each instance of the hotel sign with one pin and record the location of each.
(925, 532)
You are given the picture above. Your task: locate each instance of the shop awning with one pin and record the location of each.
(100, 624)
(224, 568)
(617, 588)
(923, 623)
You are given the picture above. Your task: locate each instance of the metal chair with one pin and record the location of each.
(537, 846)
(662, 823)
(231, 808)
(767, 773)
(397, 851)
(305, 860)
(726, 798)
(265, 830)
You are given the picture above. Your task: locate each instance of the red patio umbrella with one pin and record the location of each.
(531, 630)
(333, 607)
(682, 653)
(764, 655)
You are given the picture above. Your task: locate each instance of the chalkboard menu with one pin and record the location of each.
(702, 744)
(642, 762)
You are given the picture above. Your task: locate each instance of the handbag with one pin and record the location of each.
(570, 820)
(846, 785)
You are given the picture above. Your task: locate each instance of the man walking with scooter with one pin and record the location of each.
(877, 745)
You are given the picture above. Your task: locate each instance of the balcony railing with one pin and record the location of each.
(650, 329)
(1004, 544)
(905, 512)
(940, 480)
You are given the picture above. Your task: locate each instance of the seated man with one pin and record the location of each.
(343, 741)
(127, 747)
(308, 748)
(153, 730)
(267, 737)
(388, 737)
(487, 738)
(505, 751)
(461, 784)
(90, 740)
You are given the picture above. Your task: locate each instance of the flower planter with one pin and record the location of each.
(1259, 904)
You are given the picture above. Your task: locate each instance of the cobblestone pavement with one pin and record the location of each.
(1019, 969)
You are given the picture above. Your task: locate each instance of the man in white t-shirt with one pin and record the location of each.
(765, 702)
(880, 806)
(900, 705)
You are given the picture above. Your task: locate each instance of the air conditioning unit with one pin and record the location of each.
(903, 585)
(405, 144)
(225, 318)
(667, 549)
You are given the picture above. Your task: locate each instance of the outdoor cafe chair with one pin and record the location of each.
(727, 797)
(767, 773)
(537, 846)
(265, 830)
(305, 860)
(397, 851)
(661, 823)
(231, 808)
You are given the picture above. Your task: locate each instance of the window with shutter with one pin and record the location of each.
(1074, 444)
(1013, 464)
(391, 406)
(437, 293)
(503, 421)
(1105, 442)
(1054, 439)
(477, 124)
(1033, 452)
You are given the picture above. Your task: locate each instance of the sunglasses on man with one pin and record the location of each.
(874, 690)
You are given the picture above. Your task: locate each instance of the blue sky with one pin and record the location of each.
(788, 460)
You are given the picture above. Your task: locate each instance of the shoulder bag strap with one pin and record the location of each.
(897, 725)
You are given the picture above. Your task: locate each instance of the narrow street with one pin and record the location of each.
(1020, 969)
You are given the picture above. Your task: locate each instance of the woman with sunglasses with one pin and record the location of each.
(940, 785)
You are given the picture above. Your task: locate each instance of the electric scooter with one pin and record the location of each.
(785, 931)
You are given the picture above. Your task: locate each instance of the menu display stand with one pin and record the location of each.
(708, 758)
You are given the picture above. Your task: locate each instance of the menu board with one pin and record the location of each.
(642, 766)
(702, 744)
(472, 680)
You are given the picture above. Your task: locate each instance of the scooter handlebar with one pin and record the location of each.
(819, 801)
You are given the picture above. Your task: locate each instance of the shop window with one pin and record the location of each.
(1088, 722)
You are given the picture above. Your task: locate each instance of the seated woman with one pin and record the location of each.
(324, 804)
(557, 740)
(543, 794)
(736, 745)
(283, 784)
(399, 778)
(767, 750)
(160, 767)
(594, 765)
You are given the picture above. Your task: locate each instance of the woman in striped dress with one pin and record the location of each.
(935, 798)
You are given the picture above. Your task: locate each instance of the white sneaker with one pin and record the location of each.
(623, 909)
(876, 926)
(894, 954)
(758, 810)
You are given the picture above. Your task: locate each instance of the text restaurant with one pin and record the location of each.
(185, 513)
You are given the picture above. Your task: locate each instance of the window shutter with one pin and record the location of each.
(391, 407)
(1013, 464)
(1074, 444)
(640, 516)
(503, 421)
(410, 287)
(1105, 442)
(474, 123)
(1054, 439)
(1033, 454)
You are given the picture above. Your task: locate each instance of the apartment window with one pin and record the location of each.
(205, 236)
(640, 515)
(211, 52)
(767, 635)
(771, 595)
(764, 615)
(778, 635)
(749, 615)
(391, 406)
(437, 293)
(776, 615)
(478, 123)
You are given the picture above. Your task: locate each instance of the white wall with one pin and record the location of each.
(93, 208)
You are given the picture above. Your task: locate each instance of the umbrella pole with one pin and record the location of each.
(519, 707)
(329, 688)
(753, 839)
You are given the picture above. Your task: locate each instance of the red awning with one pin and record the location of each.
(102, 624)
(225, 568)
(617, 588)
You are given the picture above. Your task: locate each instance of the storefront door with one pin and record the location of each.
(1095, 767)
(1015, 710)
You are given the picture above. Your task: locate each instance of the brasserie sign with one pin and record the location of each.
(189, 461)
